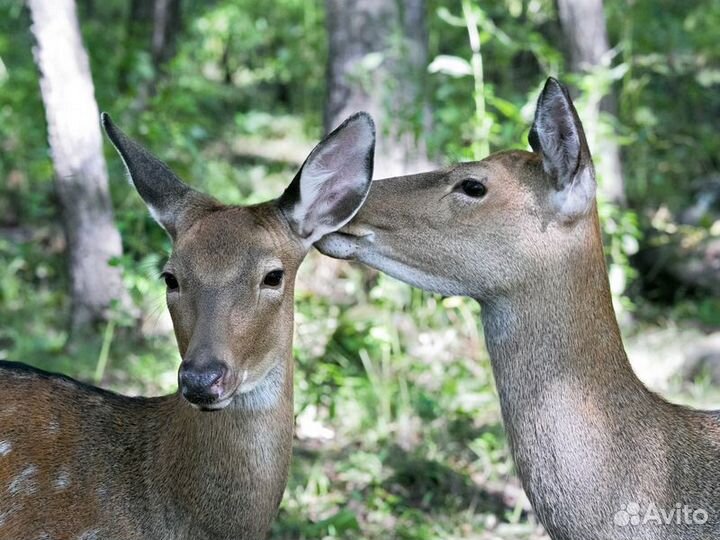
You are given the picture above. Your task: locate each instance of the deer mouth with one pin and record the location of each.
(216, 405)
(344, 245)
(247, 384)
(222, 401)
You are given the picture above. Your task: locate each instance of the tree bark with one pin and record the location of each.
(583, 25)
(166, 26)
(377, 62)
(81, 178)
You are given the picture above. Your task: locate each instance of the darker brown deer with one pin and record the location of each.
(600, 456)
(210, 461)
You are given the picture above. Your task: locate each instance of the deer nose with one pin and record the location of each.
(202, 384)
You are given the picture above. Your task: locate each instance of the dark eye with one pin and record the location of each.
(473, 188)
(171, 281)
(273, 279)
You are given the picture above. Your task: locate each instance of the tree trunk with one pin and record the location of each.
(152, 25)
(81, 178)
(583, 24)
(166, 26)
(377, 62)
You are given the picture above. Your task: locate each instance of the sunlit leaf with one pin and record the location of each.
(450, 65)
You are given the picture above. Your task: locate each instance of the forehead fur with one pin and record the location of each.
(231, 241)
(518, 166)
(527, 167)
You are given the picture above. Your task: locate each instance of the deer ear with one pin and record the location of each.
(333, 182)
(172, 203)
(557, 134)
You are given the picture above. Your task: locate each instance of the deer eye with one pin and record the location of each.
(473, 188)
(171, 281)
(273, 278)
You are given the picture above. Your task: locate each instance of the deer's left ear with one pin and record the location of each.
(557, 134)
(333, 182)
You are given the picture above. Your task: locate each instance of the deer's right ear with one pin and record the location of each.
(170, 201)
(333, 182)
(557, 134)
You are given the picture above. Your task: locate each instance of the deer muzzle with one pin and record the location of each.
(345, 244)
(203, 385)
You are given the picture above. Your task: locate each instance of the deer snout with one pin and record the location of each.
(203, 384)
(346, 243)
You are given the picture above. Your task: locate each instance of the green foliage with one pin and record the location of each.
(668, 96)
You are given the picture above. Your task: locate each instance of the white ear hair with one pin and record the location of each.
(334, 181)
(557, 134)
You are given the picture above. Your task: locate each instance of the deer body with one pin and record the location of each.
(195, 475)
(211, 461)
(587, 437)
(599, 455)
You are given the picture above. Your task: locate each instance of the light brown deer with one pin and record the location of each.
(600, 456)
(78, 462)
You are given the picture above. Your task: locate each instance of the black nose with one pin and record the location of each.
(202, 384)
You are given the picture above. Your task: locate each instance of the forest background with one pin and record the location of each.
(398, 427)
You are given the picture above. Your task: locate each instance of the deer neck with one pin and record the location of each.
(560, 329)
(559, 363)
(234, 461)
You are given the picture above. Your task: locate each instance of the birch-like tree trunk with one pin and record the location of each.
(377, 62)
(81, 177)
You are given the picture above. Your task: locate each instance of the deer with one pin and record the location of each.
(600, 456)
(211, 460)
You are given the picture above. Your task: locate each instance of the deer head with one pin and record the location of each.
(483, 229)
(231, 275)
